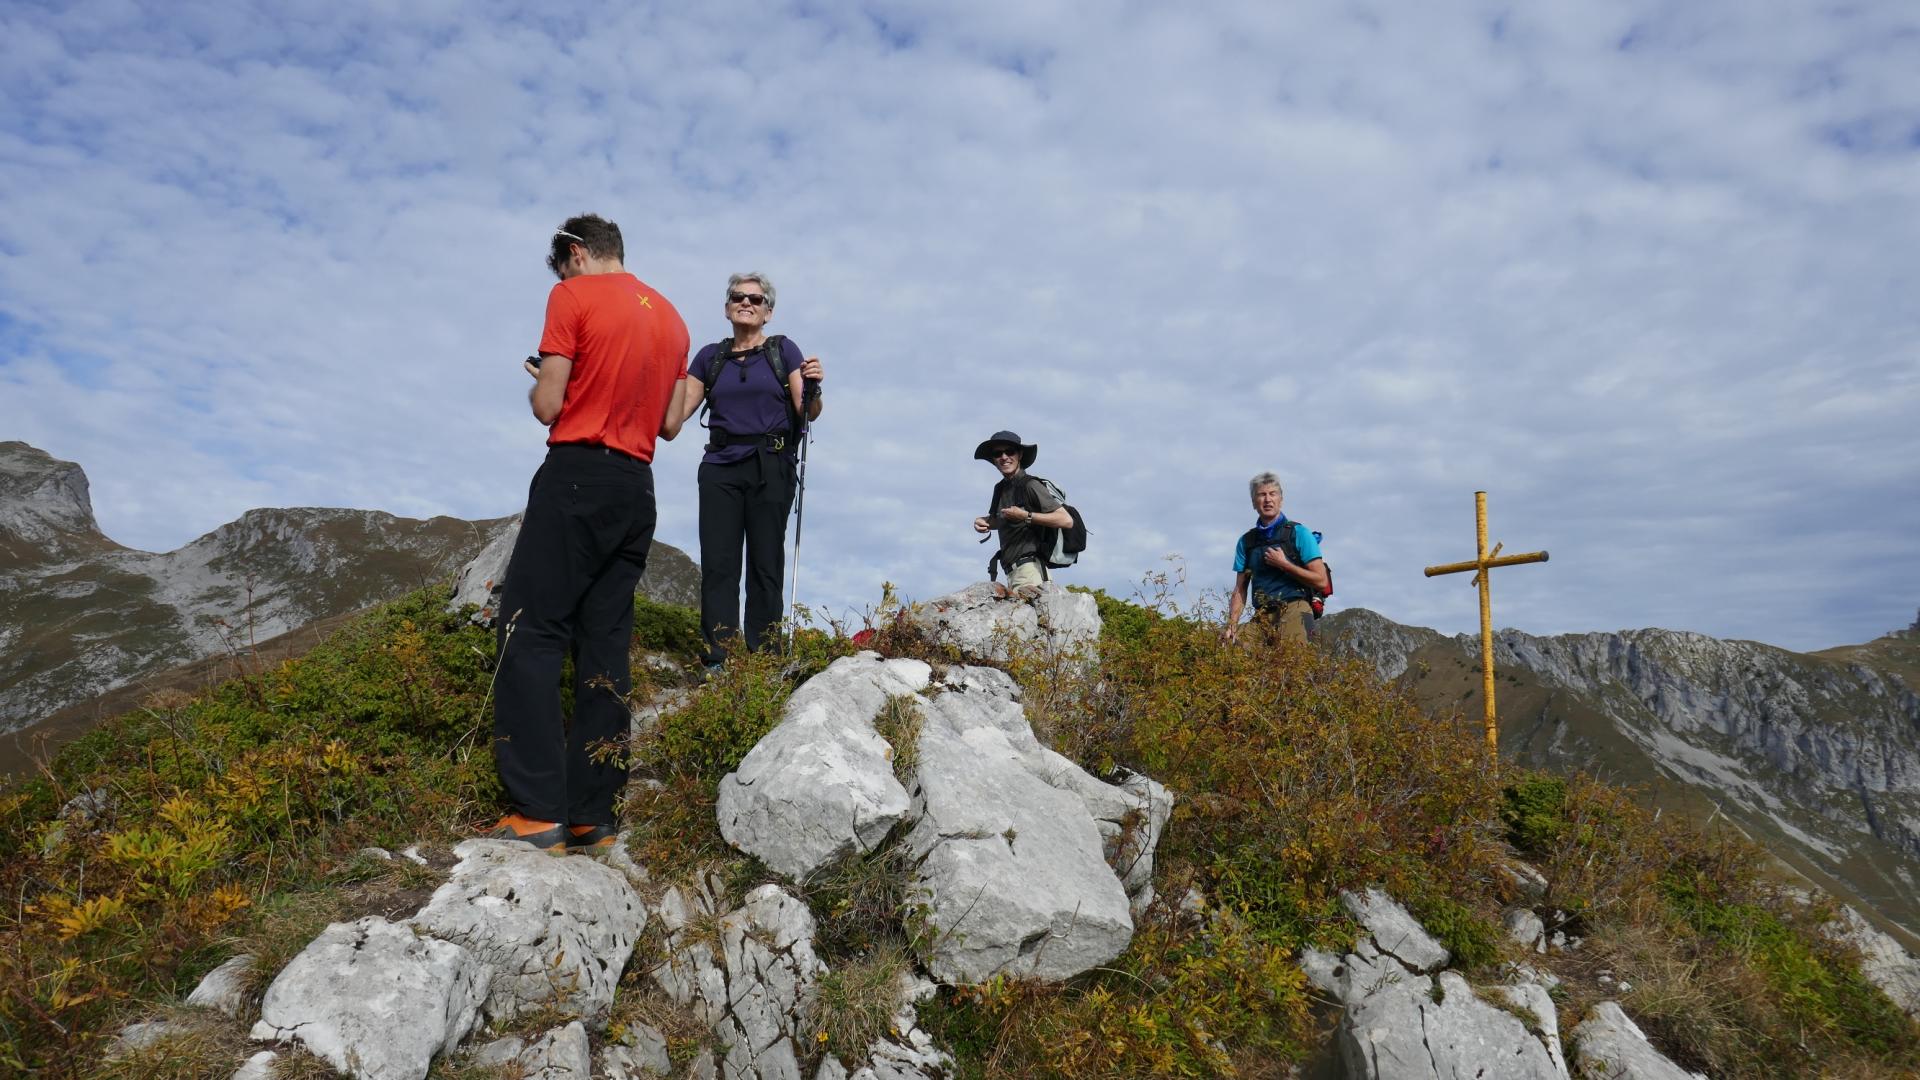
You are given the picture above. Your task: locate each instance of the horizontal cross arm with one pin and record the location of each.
(1504, 560)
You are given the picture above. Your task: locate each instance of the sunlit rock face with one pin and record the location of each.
(1817, 755)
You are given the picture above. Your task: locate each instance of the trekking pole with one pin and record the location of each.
(799, 518)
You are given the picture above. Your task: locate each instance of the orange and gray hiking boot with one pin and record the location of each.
(591, 839)
(548, 836)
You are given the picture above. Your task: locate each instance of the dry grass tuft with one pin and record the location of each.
(856, 1002)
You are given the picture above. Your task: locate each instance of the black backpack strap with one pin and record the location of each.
(719, 360)
(1251, 543)
(775, 351)
(1289, 540)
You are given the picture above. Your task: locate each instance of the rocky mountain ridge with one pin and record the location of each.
(514, 960)
(1815, 755)
(81, 615)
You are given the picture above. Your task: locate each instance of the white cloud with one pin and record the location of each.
(1644, 273)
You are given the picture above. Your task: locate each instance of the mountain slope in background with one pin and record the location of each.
(1817, 756)
(81, 615)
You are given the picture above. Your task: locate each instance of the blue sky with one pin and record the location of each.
(1645, 272)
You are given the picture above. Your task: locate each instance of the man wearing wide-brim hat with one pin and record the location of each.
(1023, 509)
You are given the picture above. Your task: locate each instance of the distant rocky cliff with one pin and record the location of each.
(81, 615)
(1816, 755)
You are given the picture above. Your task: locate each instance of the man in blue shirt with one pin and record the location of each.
(1280, 584)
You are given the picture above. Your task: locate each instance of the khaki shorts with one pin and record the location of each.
(1291, 621)
(1027, 573)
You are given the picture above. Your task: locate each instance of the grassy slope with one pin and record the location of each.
(235, 814)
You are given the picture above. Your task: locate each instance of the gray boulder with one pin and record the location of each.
(755, 986)
(560, 1054)
(479, 582)
(224, 988)
(1401, 1023)
(555, 932)
(643, 1055)
(1608, 1045)
(1353, 977)
(502, 1051)
(1530, 997)
(984, 625)
(375, 999)
(1010, 862)
(1530, 884)
(1400, 1032)
(143, 1035)
(821, 786)
(1396, 933)
(257, 1067)
(1525, 928)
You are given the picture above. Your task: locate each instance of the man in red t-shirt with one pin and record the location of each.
(611, 356)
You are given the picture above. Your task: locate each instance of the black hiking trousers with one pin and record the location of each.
(742, 502)
(569, 592)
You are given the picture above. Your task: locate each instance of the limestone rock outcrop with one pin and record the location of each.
(982, 624)
(224, 988)
(820, 786)
(753, 984)
(1438, 1027)
(1011, 863)
(1394, 932)
(1028, 865)
(511, 929)
(376, 999)
(1402, 1023)
(1608, 1045)
(552, 931)
(1406, 1019)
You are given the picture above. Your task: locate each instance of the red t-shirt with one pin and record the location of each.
(628, 346)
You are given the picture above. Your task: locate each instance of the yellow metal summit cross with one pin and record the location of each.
(1483, 562)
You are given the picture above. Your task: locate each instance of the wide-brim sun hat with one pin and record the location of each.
(1028, 451)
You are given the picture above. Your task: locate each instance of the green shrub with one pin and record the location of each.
(1472, 938)
(667, 628)
(1533, 812)
(1121, 622)
(709, 735)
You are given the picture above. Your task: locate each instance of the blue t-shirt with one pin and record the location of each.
(746, 397)
(1269, 583)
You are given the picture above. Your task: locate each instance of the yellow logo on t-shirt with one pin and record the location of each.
(644, 302)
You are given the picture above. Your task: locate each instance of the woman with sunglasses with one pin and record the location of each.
(761, 392)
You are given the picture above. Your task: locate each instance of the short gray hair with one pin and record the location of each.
(757, 278)
(1264, 479)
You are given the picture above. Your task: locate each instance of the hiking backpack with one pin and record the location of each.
(1256, 543)
(1067, 543)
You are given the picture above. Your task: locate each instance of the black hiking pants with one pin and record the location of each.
(742, 502)
(569, 592)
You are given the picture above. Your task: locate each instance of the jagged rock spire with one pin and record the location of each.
(45, 508)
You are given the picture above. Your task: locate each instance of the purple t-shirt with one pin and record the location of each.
(748, 399)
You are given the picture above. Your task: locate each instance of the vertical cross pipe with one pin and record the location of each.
(1486, 622)
(1483, 563)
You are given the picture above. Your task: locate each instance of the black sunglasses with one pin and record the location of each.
(1003, 451)
(752, 299)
